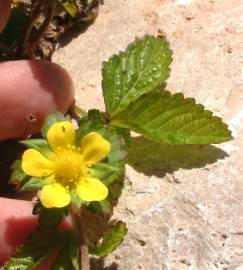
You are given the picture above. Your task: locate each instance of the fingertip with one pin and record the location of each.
(30, 90)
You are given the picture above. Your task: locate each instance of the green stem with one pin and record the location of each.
(76, 112)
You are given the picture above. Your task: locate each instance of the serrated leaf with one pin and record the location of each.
(52, 119)
(19, 264)
(112, 239)
(140, 69)
(93, 121)
(173, 119)
(40, 145)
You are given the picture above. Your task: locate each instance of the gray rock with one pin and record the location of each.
(183, 205)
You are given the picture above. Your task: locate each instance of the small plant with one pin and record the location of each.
(80, 171)
(36, 26)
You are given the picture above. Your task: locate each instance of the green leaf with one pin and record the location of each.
(140, 69)
(35, 183)
(173, 119)
(49, 217)
(40, 145)
(13, 31)
(52, 119)
(112, 239)
(105, 172)
(94, 121)
(19, 264)
(103, 208)
(18, 175)
(71, 7)
(68, 257)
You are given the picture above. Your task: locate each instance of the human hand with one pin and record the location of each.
(29, 91)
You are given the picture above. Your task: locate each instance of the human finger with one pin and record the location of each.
(16, 223)
(29, 91)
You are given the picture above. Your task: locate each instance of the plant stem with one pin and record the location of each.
(79, 227)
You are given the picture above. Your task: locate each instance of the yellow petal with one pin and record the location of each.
(94, 148)
(35, 164)
(61, 135)
(91, 189)
(54, 195)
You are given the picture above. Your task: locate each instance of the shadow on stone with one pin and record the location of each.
(98, 264)
(152, 158)
(80, 25)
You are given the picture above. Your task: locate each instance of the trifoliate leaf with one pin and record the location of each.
(40, 145)
(52, 119)
(71, 7)
(173, 119)
(112, 239)
(140, 69)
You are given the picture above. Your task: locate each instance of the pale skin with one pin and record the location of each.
(29, 91)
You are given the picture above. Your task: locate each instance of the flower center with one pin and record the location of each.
(68, 166)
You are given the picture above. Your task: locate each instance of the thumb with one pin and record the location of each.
(16, 223)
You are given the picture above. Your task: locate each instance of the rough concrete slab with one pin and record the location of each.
(184, 211)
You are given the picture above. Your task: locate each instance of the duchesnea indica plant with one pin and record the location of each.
(78, 166)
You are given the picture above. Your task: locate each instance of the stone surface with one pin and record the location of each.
(183, 205)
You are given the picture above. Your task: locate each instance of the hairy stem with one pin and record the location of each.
(83, 248)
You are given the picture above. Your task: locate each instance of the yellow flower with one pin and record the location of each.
(68, 166)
